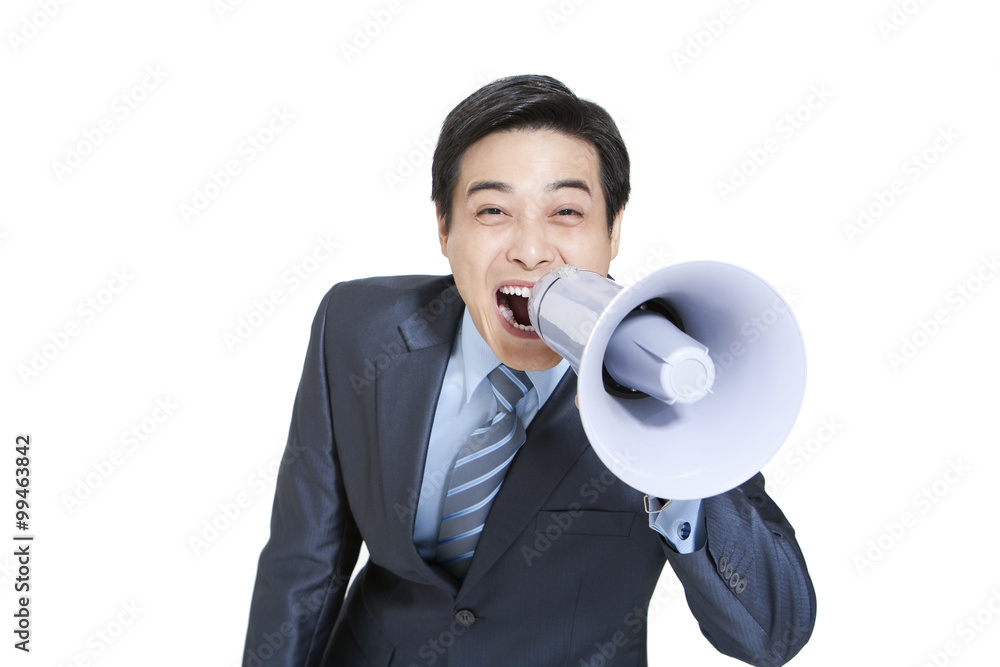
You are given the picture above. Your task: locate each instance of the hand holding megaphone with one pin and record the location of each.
(689, 381)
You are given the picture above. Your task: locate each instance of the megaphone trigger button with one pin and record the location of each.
(684, 530)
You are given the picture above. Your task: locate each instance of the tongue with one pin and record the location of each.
(519, 306)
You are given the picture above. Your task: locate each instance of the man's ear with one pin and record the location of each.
(442, 231)
(616, 230)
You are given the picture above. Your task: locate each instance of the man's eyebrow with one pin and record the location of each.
(568, 183)
(488, 185)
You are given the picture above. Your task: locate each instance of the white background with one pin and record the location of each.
(888, 593)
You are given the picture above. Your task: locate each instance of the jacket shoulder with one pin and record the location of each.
(373, 308)
(377, 294)
(382, 289)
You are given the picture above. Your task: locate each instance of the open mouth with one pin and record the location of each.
(512, 301)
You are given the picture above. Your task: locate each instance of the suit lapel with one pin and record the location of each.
(407, 391)
(555, 441)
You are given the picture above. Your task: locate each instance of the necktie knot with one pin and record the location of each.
(509, 386)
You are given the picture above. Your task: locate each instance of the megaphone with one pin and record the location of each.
(689, 381)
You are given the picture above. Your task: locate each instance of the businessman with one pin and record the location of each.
(432, 424)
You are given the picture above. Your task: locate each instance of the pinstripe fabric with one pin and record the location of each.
(478, 472)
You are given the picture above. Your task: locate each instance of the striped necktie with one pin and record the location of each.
(478, 472)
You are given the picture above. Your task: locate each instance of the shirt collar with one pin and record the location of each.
(478, 360)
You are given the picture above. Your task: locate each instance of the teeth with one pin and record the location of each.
(508, 315)
(504, 306)
(516, 291)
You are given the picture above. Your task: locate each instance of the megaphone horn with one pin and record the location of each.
(689, 381)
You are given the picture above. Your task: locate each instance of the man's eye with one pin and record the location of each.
(490, 211)
(569, 211)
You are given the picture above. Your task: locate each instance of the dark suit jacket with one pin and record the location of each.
(566, 564)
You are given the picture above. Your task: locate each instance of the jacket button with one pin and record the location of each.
(465, 618)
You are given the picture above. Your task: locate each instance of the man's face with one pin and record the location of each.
(526, 202)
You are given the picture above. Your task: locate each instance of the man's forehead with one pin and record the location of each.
(486, 164)
(528, 137)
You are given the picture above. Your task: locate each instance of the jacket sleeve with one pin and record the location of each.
(305, 566)
(748, 587)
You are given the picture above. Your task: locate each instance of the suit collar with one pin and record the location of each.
(434, 321)
(478, 360)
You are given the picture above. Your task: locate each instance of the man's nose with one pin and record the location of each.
(531, 246)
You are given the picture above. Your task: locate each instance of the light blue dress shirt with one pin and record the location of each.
(466, 401)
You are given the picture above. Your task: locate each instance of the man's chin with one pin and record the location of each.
(515, 348)
(526, 354)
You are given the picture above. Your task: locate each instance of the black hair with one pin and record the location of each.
(529, 102)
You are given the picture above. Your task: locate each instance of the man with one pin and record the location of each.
(434, 425)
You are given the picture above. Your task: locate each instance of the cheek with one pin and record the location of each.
(470, 271)
(593, 256)
(458, 254)
(474, 255)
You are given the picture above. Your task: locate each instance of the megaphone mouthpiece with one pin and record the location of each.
(648, 353)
